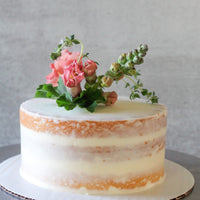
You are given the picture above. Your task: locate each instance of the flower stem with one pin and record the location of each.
(132, 81)
(81, 51)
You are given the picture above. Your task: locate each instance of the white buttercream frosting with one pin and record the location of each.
(123, 109)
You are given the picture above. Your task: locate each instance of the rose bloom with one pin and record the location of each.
(90, 67)
(73, 75)
(52, 78)
(65, 59)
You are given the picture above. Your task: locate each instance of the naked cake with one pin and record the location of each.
(87, 141)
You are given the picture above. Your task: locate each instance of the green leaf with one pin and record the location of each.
(89, 98)
(75, 41)
(96, 62)
(55, 55)
(49, 88)
(127, 85)
(63, 90)
(85, 55)
(63, 102)
(72, 37)
(137, 73)
(59, 46)
(46, 91)
(40, 94)
(67, 38)
(61, 86)
(136, 95)
(144, 92)
(92, 107)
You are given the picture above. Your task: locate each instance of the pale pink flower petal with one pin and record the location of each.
(52, 78)
(73, 74)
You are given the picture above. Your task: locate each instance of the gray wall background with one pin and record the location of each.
(31, 29)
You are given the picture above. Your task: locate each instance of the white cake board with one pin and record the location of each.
(178, 183)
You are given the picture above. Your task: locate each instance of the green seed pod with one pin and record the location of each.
(129, 56)
(141, 55)
(122, 59)
(115, 67)
(130, 64)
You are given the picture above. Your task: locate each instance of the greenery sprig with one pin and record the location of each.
(125, 68)
(68, 42)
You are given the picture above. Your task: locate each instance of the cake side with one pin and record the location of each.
(95, 152)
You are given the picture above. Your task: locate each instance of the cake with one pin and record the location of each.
(78, 137)
(118, 149)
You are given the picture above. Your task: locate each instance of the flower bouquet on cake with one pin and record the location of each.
(69, 69)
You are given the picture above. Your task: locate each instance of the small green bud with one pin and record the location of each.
(91, 79)
(141, 55)
(115, 67)
(131, 72)
(118, 76)
(130, 64)
(141, 60)
(122, 59)
(142, 48)
(129, 56)
(138, 60)
(135, 52)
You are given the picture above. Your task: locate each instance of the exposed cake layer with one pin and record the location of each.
(121, 148)
(108, 149)
(100, 186)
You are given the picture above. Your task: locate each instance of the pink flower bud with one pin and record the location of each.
(110, 97)
(90, 68)
(106, 81)
(74, 91)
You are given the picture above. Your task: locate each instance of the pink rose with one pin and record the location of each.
(52, 78)
(90, 68)
(65, 59)
(73, 74)
(110, 97)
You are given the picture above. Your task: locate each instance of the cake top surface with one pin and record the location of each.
(123, 109)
